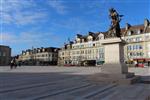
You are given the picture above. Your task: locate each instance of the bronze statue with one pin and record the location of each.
(114, 30)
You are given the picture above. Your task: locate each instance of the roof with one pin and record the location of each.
(124, 31)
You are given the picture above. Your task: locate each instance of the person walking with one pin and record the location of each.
(12, 64)
(15, 63)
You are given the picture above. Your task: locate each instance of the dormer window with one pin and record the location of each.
(129, 32)
(82, 40)
(138, 31)
(90, 38)
(127, 26)
(101, 36)
(55, 50)
(78, 40)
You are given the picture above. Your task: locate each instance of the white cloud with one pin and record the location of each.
(30, 39)
(58, 6)
(20, 12)
(23, 18)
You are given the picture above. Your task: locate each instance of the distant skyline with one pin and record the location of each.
(49, 23)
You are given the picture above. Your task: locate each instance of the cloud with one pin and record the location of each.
(26, 18)
(29, 39)
(21, 12)
(58, 5)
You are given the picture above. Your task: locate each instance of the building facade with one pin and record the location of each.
(138, 42)
(5, 55)
(88, 50)
(39, 56)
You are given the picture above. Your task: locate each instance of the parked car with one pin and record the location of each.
(140, 65)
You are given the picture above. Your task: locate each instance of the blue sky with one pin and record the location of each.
(45, 23)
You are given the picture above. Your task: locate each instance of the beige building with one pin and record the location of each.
(85, 50)
(138, 39)
(39, 56)
(5, 55)
(88, 50)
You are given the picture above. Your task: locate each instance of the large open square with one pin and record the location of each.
(74, 50)
(66, 83)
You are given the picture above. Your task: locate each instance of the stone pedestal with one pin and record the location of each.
(114, 70)
(114, 56)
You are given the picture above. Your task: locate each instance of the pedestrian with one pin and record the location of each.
(19, 63)
(15, 63)
(11, 64)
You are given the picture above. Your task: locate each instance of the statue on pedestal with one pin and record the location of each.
(114, 30)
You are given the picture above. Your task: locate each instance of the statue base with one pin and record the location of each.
(114, 70)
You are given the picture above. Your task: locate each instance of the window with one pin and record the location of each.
(128, 48)
(137, 53)
(82, 51)
(141, 54)
(148, 46)
(85, 51)
(82, 46)
(127, 40)
(101, 50)
(134, 54)
(134, 47)
(149, 54)
(137, 39)
(4, 54)
(134, 40)
(140, 47)
(96, 50)
(147, 37)
(131, 54)
(89, 51)
(137, 47)
(94, 45)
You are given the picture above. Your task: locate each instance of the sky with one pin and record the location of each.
(49, 23)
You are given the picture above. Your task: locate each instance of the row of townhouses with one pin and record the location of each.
(39, 56)
(88, 50)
